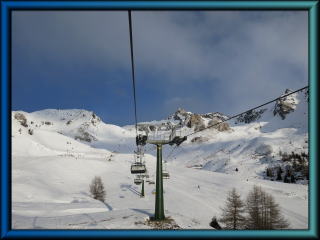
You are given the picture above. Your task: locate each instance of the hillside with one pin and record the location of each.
(56, 153)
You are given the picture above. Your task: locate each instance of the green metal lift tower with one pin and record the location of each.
(159, 208)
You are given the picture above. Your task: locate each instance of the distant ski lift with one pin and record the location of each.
(137, 181)
(141, 140)
(145, 175)
(138, 167)
(165, 175)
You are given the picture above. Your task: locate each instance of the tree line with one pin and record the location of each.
(258, 212)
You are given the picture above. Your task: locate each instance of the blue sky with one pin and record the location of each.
(202, 61)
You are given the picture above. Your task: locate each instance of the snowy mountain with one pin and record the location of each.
(81, 125)
(56, 153)
(251, 143)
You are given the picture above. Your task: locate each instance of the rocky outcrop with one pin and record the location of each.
(195, 120)
(250, 116)
(21, 119)
(199, 139)
(94, 119)
(219, 125)
(180, 115)
(83, 135)
(285, 105)
(182, 118)
(215, 115)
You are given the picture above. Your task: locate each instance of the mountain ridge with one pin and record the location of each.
(265, 128)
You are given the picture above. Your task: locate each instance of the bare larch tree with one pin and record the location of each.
(233, 212)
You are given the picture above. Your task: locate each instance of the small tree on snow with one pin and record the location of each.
(233, 211)
(97, 189)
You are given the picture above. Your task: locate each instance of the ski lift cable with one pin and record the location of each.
(133, 75)
(237, 115)
(138, 166)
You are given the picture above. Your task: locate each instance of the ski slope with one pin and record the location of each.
(53, 165)
(52, 192)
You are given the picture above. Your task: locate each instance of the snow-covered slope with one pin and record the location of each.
(249, 144)
(56, 153)
(80, 125)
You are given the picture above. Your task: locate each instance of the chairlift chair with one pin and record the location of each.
(137, 168)
(137, 181)
(165, 175)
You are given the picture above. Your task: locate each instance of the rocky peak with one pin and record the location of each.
(285, 105)
(95, 119)
(200, 121)
(195, 120)
(180, 115)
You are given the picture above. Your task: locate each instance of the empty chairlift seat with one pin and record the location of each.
(137, 181)
(138, 168)
(165, 175)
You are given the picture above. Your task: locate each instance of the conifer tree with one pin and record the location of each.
(279, 177)
(97, 189)
(275, 220)
(263, 211)
(253, 209)
(233, 211)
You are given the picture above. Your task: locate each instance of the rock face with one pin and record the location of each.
(182, 118)
(250, 116)
(95, 119)
(285, 105)
(220, 127)
(199, 139)
(215, 115)
(180, 115)
(21, 119)
(83, 135)
(195, 120)
(200, 121)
